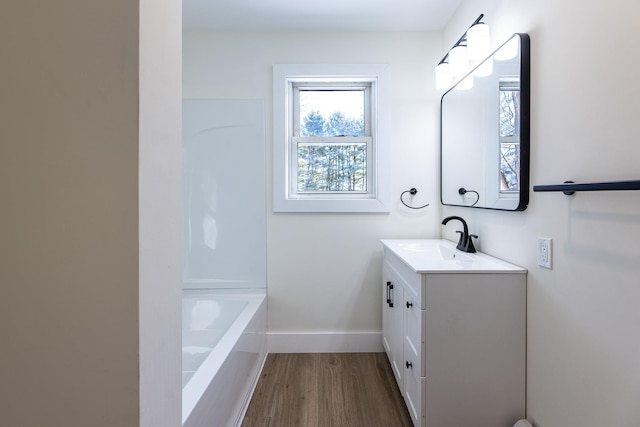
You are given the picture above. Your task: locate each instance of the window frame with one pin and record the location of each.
(288, 78)
(366, 87)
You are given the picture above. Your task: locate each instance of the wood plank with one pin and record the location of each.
(327, 390)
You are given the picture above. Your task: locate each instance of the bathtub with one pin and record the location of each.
(223, 349)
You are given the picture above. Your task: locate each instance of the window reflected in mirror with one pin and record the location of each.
(509, 128)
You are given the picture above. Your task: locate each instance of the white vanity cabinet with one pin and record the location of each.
(454, 329)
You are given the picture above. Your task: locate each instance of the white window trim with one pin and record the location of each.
(379, 201)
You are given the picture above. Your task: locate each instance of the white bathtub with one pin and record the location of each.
(223, 349)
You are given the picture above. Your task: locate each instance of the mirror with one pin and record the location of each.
(484, 140)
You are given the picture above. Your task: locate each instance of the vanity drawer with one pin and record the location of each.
(411, 280)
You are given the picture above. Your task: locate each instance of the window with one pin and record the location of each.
(509, 129)
(331, 138)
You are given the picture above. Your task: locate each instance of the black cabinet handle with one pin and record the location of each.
(409, 365)
(409, 304)
(388, 299)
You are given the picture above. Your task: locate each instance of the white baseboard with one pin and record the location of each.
(324, 342)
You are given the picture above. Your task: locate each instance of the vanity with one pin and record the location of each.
(454, 330)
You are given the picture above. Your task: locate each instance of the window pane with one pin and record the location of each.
(332, 167)
(331, 112)
(509, 167)
(509, 112)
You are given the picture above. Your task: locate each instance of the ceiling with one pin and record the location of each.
(317, 15)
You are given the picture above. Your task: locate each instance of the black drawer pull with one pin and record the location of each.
(409, 365)
(409, 304)
(389, 289)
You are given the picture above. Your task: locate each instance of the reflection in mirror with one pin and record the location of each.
(485, 132)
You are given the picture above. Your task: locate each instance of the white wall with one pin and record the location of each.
(583, 316)
(324, 270)
(74, 278)
(160, 213)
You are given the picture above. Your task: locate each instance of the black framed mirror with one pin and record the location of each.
(484, 132)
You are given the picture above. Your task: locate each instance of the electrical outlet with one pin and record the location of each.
(544, 252)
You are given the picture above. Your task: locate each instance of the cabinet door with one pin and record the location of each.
(392, 327)
(413, 385)
(413, 356)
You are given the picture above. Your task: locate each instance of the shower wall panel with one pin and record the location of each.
(224, 220)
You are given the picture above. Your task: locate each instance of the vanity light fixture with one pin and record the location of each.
(508, 51)
(484, 69)
(444, 79)
(473, 45)
(478, 41)
(459, 60)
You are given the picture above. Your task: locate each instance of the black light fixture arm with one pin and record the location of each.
(462, 38)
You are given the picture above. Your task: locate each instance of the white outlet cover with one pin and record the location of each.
(544, 252)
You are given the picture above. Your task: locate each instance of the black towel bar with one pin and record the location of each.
(569, 187)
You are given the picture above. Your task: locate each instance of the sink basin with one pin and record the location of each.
(437, 255)
(438, 249)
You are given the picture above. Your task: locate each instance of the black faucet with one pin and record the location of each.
(465, 244)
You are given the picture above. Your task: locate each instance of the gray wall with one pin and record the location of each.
(76, 179)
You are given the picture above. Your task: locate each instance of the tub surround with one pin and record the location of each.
(224, 258)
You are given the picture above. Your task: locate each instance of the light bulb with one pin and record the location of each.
(465, 84)
(458, 61)
(478, 41)
(444, 80)
(484, 69)
(509, 50)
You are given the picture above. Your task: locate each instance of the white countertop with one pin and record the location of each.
(441, 256)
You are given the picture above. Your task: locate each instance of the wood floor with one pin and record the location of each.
(327, 390)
